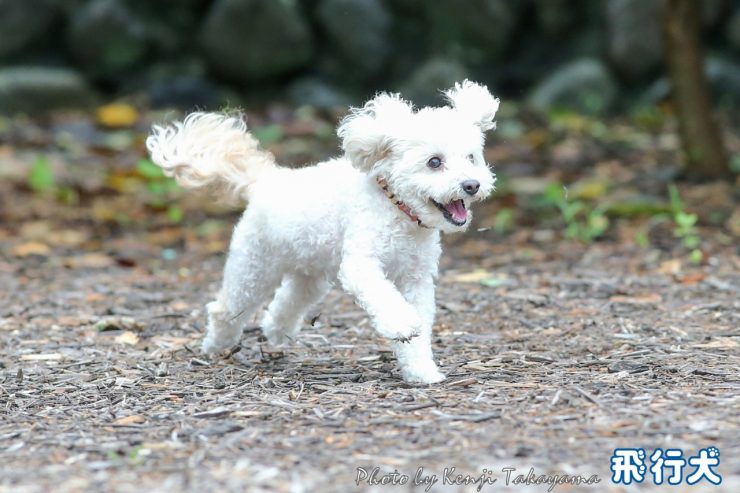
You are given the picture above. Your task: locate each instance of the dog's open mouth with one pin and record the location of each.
(455, 212)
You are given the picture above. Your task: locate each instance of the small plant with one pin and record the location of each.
(503, 221)
(41, 180)
(685, 226)
(160, 188)
(582, 222)
(41, 177)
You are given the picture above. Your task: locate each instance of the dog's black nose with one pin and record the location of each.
(471, 186)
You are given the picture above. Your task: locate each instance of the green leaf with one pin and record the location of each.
(642, 239)
(148, 169)
(268, 134)
(41, 177)
(691, 241)
(175, 214)
(735, 164)
(503, 220)
(696, 256)
(676, 204)
(685, 220)
(495, 282)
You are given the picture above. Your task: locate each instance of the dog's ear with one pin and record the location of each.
(475, 102)
(367, 132)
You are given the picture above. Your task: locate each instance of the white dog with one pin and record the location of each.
(370, 219)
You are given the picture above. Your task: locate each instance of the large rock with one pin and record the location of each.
(425, 83)
(358, 32)
(313, 91)
(722, 73)
(248, 40)
(22, 22)
(557, 17)
(634, 37)
(724, 79)
(477, 32)
(106, 38)
(732, 31)
(712, 12)
(584, 85)
(40, 89)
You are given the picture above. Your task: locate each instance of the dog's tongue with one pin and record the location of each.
(456, 208)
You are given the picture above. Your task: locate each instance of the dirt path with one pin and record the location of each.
(565, 356)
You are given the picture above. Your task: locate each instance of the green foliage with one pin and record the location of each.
(642, 240)
(41, 177)
(735, 164)
(175, 214)
(160, 188)
(582, 222)
(649, 118)
(147, 169)
(503, 221)
(685, 226)
(268, 134)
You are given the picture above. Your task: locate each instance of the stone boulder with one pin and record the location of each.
(476, 32)
(106, 38)
(23, 22)
(40, 89)
(358, 32)
(584, 85)
(425, 83)
(634, 41)
(732, 31)
(314, 91)
(250, 40)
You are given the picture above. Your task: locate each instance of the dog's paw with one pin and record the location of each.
(424, 372)
(210, 346)
(276, 337)
(401, 328)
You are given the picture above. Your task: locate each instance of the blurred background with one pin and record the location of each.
(591, 56)
(618, 122)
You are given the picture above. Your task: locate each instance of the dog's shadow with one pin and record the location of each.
(304, 362)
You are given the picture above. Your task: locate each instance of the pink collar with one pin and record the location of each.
(401, 206)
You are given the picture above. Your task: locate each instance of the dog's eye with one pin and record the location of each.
(471, 158)
(434, 162)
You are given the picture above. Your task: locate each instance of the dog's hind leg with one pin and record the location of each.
(249, 281)
(293, 300)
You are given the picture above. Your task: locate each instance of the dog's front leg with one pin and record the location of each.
(415, 358)
(391, 314)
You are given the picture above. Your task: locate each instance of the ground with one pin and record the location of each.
(557, 351)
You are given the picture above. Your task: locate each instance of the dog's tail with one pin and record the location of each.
(210, 150)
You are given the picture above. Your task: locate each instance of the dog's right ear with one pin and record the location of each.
(367, 132)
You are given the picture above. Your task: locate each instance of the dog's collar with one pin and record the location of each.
(401, 206)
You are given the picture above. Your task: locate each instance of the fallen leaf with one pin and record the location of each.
(116, 115)
(94, 260)
(477, 275)
(648, 299)
(127, 337)
(30, 248)
(671, 267)
(589, 189)
(134, 419)
(692, 278)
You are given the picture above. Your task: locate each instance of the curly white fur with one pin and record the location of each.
(308, 228)
(210, 150)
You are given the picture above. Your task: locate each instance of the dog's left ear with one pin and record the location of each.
(475, 102)
(367, 132)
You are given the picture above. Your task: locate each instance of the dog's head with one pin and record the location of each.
(431, 158)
